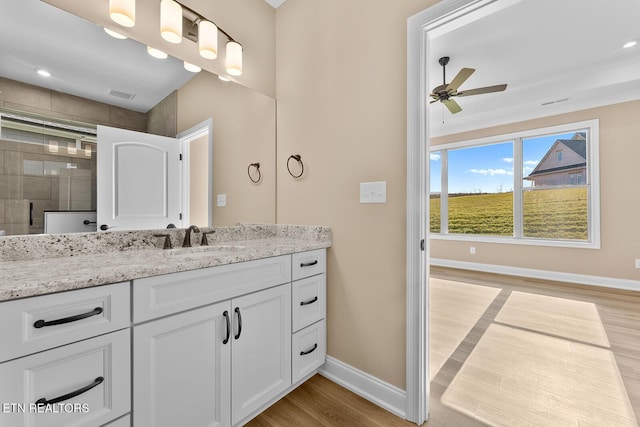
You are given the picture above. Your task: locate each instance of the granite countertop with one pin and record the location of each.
(43, 275)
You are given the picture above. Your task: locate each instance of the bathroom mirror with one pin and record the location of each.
(88, 87)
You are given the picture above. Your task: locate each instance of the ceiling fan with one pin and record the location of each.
(445, 92)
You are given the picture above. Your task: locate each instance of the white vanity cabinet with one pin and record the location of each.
(223, 354)
(66, 358)
(206, 347)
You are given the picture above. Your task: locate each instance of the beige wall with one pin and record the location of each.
(620, 234)
(244, 132)
(250, 22)
(341, 90)
(198, 181)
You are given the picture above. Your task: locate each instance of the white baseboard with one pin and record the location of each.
(371, 388)
(607, 282)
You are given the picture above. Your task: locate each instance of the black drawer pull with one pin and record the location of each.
(308, 264)
(44, 401)
(311, 301)
(304, 353)
(226, 316)
(42, 323)
(87, 222)
(237, 310)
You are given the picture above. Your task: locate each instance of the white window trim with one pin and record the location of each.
(593, 184)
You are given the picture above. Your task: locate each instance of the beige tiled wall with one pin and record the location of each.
(163, 118)
(25, 178)
(23, 97)
(73, 189)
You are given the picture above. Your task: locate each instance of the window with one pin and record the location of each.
(532, 187)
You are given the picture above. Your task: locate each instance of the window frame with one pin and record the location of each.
(592, 183)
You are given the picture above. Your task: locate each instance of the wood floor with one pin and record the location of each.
(506, 351)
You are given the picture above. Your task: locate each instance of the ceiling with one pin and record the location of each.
(565, 54)
(83, 60)
(569, 60)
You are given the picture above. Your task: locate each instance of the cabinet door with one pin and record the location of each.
(181, 369)
(261, 365)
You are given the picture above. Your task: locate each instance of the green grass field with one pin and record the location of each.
(552, 214)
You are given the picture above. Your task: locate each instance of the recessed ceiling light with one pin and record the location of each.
(114, 34)
(43, 73)
(224, 78)
(191, 67)
(156, 53)
(630, 44)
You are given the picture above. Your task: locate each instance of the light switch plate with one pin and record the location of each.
(373, 192)
(222, 200)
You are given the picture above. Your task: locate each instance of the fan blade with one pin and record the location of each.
(481, 90)
(452, 105)
(460, 78)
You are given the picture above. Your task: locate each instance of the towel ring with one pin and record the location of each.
(298, 158)
(257, 166)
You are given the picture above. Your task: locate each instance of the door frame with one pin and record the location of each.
(185, 137)
(418, 53)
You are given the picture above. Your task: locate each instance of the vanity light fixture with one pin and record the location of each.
(191, 67)
(171, 21)
(208, 39)
(72, 148)
(43, 73)
(114, 34)
(234, 58)
(87, 151)
(172, 15)
(123, 12)
(629, 44)
(156, 53)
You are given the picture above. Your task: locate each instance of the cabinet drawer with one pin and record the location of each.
(309, 263)
(309, 350)
(309, 301)
(85, 312)
(97, 369)
(171, 293)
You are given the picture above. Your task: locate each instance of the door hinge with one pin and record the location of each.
(179, 216)
(422, 245)
(180, 156)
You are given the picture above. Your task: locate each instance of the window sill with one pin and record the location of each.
(515, 241)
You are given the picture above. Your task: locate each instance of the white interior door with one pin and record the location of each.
(140, 180)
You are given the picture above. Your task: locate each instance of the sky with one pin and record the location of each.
(488, 168)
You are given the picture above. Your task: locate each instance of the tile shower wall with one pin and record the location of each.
(31, 177)
(31, 174)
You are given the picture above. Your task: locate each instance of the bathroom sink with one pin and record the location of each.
(203, 251)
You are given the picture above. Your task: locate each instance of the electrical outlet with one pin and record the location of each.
(638, 263)
(472, 250)
(221, 200)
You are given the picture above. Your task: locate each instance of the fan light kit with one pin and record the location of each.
(178, 21)
(445, 92)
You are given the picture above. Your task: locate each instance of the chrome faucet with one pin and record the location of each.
(187, 236)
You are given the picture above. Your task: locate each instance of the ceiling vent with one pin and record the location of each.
(120, 94)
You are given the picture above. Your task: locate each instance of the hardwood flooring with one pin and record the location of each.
(506, 351)
(320, 402)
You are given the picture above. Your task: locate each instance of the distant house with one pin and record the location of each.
(564, 164)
